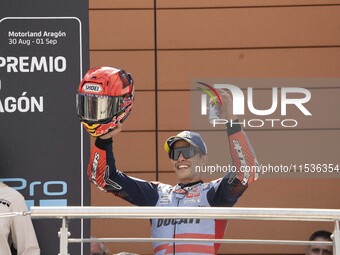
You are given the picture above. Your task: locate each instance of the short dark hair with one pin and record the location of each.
(324, 234)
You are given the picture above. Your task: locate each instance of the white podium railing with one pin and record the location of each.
(130, 212)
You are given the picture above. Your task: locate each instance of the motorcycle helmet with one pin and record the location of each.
(105, 97)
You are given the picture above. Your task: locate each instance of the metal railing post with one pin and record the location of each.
(336, 239)
(63, 237)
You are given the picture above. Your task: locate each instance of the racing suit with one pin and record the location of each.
(223, 192)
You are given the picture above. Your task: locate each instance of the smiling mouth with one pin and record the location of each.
(179, 167)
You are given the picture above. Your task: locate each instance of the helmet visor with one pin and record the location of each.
(96, 108)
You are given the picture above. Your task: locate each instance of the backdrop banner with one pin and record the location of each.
(43, 55)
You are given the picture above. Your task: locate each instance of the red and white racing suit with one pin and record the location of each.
(223, 192)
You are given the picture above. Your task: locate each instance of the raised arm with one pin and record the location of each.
(226, 191)
(242, 154)
(103, 173)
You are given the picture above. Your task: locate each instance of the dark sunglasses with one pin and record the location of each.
(187, 152)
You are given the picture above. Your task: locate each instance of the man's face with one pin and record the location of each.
(185, 167)
(319, 249)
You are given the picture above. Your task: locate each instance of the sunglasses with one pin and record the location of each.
(187, 152)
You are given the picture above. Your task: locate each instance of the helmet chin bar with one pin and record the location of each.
(97, 129)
